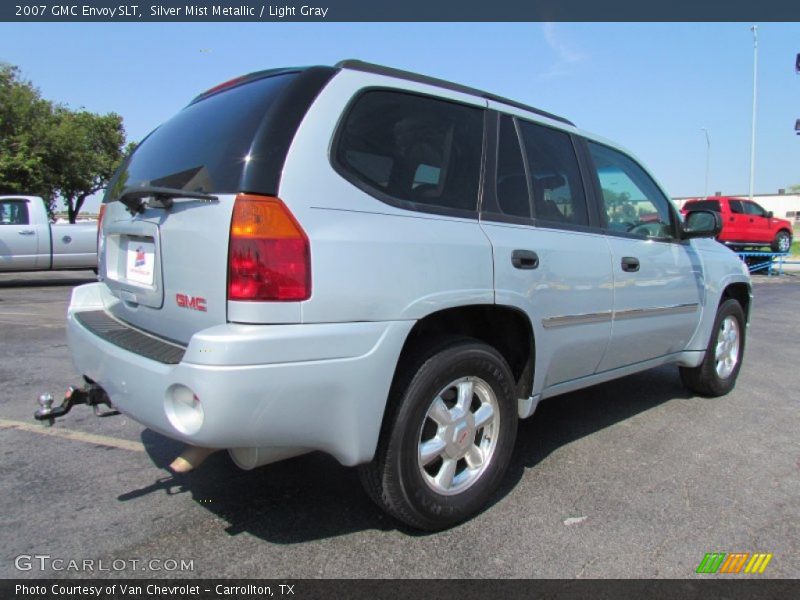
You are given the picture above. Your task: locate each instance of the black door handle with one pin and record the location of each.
(524, 259)
(630, 264)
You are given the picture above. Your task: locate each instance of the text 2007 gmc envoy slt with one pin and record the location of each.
(394, 270)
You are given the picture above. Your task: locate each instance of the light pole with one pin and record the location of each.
(754, 29)
(708, 159)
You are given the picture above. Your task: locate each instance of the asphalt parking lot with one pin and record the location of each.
(634, 478)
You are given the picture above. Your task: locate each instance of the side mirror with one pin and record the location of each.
(701, 223)
(769, 215)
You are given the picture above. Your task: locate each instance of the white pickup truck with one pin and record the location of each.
(28, 242)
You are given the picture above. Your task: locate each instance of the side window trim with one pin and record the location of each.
(597, 216)
(490, 206)
(387, 198)
(526, 167)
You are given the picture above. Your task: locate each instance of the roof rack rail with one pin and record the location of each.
(360, 65)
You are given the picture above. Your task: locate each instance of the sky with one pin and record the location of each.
(650, 87)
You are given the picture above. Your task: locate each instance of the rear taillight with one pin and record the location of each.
(100, 221)
(269, 257)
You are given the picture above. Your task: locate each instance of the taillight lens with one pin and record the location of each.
(269, 257)
(100, 222)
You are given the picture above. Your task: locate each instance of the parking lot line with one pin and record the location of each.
(80, 436)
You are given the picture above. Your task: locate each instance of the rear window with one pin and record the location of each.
(413, 151)
(14, 212)
(703, 205)
(205, 147)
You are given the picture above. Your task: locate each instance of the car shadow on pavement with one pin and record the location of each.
(305, 498)
(313, 497)
(563, 419)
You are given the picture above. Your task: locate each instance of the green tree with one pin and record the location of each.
(795, 189)
(25, 142)
(51, 150)
(87, 149)
(619, 207)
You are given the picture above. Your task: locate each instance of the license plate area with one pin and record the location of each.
(140, 260)
(132, 266)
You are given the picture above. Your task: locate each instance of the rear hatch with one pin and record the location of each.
(167, 262)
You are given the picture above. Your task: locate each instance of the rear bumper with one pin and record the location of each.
(310, 387)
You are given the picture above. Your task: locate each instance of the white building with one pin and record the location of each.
(783, 205)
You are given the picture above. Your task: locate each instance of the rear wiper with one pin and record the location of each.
(136, 198)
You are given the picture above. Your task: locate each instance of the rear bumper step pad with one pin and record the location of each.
(115, 332)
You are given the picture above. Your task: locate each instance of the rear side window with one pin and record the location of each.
(205, 147)
(736, 206)
(558, 195)
(14, 212)
(708, 205)
(413, 151)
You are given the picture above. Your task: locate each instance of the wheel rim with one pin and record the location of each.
(458, 437)
(784, 242)
(726, 354)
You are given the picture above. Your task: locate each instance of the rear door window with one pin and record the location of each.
(555, 178)
(735, 206)
(413, 151)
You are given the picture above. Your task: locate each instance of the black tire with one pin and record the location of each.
(782, 242)
(704, 379)
(394, 479)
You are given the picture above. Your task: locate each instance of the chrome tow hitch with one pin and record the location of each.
(91, 394)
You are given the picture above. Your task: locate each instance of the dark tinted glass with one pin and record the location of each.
(205, 146)
(707, 205)
(414, 149)
(632, 201)
(14, 212)
(751, 208)
(558, 195)
(735, 206)
(512, 187)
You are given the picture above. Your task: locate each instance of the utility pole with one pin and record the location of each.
(797, 70)
(754, 29)
(708, 160)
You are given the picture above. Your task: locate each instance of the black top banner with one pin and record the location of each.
(402, 10)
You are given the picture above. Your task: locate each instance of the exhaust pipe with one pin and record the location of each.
(250, 458)
(244, 458)
(191, 458)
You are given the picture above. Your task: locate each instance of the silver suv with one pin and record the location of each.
(391, 269)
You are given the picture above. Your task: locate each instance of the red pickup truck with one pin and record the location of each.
(745, 223)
